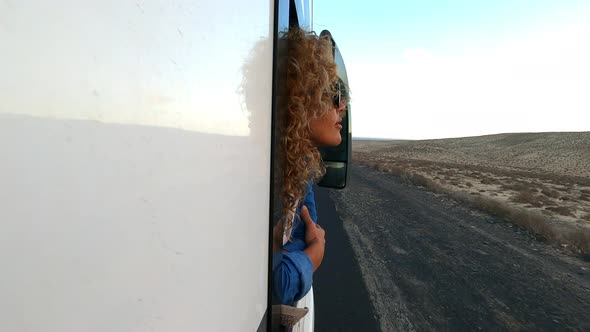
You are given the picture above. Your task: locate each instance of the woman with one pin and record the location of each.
(313, 115)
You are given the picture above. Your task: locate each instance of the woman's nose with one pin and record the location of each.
(341, 107)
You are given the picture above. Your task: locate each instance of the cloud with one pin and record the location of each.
(536, 83)
(417, 54)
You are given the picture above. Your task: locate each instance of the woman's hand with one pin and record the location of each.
(313, 231)
(315, 238)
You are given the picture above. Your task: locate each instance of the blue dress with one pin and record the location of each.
(293, 270)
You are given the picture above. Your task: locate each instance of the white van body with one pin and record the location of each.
(134, 178)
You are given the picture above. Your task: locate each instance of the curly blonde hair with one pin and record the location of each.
(311, 75)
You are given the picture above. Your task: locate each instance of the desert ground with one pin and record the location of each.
(539, 181)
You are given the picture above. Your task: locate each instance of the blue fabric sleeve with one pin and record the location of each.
(292, 277)
(309, 201)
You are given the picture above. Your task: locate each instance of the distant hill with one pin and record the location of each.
(566, 153)
(373, 139)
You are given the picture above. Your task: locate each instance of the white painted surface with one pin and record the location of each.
(307, 323)
(134, 179)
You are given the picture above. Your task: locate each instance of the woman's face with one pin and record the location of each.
(325, 130)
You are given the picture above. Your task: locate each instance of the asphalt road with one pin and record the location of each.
(400, 258)
(342, 302)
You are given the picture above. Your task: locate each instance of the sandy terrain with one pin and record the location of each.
(559, 153)
(544, 173)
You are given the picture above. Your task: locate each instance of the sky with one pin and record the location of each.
(436, 69)
(418, 69)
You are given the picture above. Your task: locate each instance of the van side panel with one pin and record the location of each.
(134, 173)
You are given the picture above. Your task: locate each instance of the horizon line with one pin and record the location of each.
(468, 136)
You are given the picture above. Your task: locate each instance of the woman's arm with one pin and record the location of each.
(292, 276)
(293, 271)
